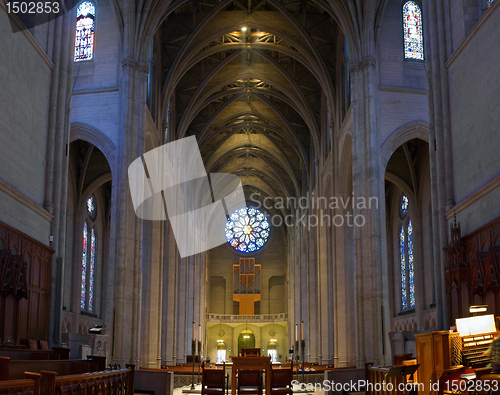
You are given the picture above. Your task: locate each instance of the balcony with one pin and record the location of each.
(261, 318)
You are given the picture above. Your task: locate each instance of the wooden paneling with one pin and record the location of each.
(25, 291)
(434, 356)
(472, 270)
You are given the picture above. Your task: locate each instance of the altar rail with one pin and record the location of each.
(247, 318)
(111, 382)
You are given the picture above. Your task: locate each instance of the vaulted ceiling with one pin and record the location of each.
(251, 81)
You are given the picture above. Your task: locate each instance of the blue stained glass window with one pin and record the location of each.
(403, 206)
(85, 25)
(412, 31)
(91, 269)
(411, 273)
(247, 230)
(402, 261)
(84, 267)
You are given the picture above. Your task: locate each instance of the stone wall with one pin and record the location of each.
(25, 75)
(474, 101)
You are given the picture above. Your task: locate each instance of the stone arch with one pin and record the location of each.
(85, 132)
(403, 134)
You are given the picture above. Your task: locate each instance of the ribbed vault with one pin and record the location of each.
(252, 81)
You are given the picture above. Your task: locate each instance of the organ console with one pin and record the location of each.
(474, 348)
(477, 333)
(441, 351)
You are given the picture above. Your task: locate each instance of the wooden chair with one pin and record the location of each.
(249, 382)
(281, 381)
(213, 381)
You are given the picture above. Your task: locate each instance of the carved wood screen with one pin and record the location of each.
(472, 270)
(24, 287)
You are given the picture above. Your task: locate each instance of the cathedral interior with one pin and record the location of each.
(363, 138)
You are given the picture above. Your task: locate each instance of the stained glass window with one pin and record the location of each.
(412, 31)
(405, 239)
(247, 229)
(490, 3)
(91, 269)
(403, 206)
(84, 267)
(92, 207)
(411, 273)
(88, 257)
(402, 261)
(85, 23)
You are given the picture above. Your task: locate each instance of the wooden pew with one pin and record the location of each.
(111, 382)
(14, 369)
(29, 385)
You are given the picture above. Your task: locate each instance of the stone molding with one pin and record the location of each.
(20, 198)
(472, 199)
(402, 89)
(96, 90)
(472, 33)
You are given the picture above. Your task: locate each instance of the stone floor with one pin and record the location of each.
(197, 390)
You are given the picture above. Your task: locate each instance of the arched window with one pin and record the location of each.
(405, 242)
(412, 31)
(85, 24)
(88, 257)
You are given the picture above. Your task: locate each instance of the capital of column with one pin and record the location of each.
(143, 67)
(129, 63)
(353, 68)
(368, 61)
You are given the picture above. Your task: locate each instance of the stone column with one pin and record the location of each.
(126, 227)
(169, 292)
(151, 294)
(56, 181)
(323, 289)
(442, 195)
(370, 255)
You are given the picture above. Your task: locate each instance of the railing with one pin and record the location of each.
(247, 318)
